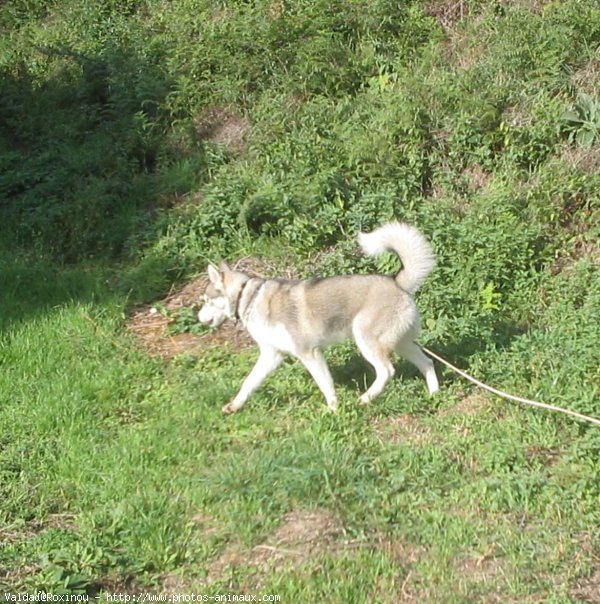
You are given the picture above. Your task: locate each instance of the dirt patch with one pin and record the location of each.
(448, 13)
(476, 177)
(307, 534)
(173, 584)
(403, 553)
(402, 428)
(517, 116)
(408, 586)
(470, 405)
(221, 14)
(586, 78)
(582, 246)
(481, 569)
(587, 589)
(456, 18)
(223, 126)
(276, 9)
(18, 575)
(63, 521)
(547, 456)
(118, 584)
(153, 328)
(451, 12)
(27, 530)
(153, 324)
(302, 536)
(482, 574)
(581, 158)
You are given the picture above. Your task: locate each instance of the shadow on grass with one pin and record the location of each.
(86, 172)
(358, 373)
(31, 287)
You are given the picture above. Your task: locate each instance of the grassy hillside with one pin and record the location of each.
(141, 139)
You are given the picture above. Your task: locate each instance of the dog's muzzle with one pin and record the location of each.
(214, 312)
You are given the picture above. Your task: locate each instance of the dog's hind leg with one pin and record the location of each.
(268, 361)
(412, 353)
(315, 362)
(372, 350)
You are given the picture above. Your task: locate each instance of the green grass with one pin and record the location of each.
(108, 456)
(140, 140)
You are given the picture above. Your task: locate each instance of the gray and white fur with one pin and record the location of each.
(300, 318)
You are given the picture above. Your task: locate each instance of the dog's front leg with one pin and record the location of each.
(267, 362)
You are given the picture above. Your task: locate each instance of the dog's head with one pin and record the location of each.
(222, 295)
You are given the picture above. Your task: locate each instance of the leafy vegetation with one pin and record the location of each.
(583, 122)
(141, 138)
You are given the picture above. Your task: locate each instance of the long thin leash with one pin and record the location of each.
(511, 397)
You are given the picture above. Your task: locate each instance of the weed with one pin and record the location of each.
(582, 123)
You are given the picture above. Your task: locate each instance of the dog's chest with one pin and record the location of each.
(274, 336)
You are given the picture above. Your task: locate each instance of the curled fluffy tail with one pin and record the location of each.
(410, 244)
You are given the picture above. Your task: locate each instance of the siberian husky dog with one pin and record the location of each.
(300, 318)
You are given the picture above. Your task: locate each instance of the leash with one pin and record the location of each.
(511, 397)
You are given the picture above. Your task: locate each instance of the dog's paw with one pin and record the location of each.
(433, 389)
(332, 405)
(365, 399)
(229, 409)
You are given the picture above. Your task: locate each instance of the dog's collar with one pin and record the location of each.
(237, 315)
(236, 311)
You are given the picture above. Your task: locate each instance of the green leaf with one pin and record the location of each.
(571, 116)
(586, 138)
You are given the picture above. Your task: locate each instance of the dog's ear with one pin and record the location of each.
(215, 276)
